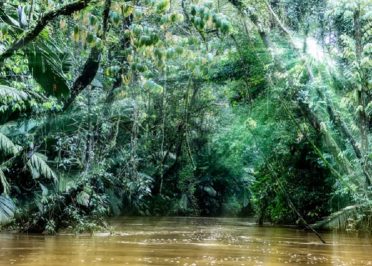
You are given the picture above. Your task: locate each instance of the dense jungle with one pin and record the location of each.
(163, 108)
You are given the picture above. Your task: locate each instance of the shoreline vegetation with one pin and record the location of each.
(326, 225)
(229, 108)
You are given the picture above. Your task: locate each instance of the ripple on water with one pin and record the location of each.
(186, 241)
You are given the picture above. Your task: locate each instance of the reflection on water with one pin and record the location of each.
(187, 242)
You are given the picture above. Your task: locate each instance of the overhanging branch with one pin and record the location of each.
(41, 24)
(91, 66)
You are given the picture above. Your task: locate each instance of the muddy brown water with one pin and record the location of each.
(186, 242)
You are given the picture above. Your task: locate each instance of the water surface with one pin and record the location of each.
(187, 242)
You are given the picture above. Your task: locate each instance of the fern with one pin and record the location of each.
(38, 166)
(7, 146)
(9, 92)
(7, 209)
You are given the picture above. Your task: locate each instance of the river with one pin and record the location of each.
(186, 242)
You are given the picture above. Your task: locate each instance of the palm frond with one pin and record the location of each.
(48, 65)
(13, 93)
(7, 209)
(20, 127)
(4, 182)
(38, 166)
(7, 146)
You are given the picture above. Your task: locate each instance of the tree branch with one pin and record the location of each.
(86, 76)
(41, 24)
(92, 64)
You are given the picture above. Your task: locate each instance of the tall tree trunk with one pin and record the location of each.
(362, 103)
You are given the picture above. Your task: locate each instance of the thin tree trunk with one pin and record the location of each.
(341, 125)
(314, 121)
(363, 119)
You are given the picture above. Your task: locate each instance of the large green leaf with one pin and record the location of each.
(83, 198)
(7, 146)
(38, 166)
(4, 183)
(13, 93)
(48, 65)
(7, 209)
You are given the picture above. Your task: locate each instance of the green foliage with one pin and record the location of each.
(7, 146)
(38, 166)
(4, 183)
(48, 65)
(12, 93)
(7, 209)
(185, 108)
